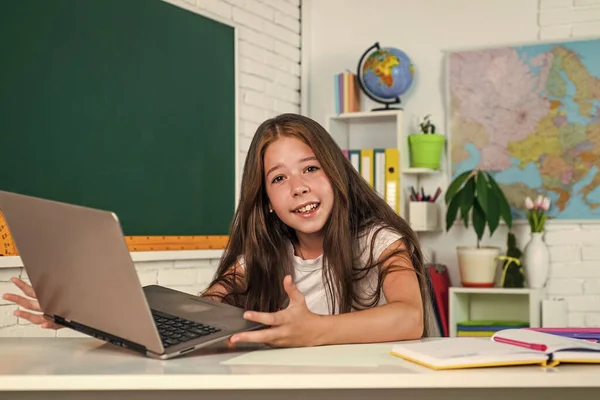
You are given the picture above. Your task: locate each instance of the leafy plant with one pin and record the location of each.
(477, 196)
(426, 125)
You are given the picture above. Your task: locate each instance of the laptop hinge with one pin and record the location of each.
(107, 337)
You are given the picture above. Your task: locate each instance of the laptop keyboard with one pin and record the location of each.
(174, 330)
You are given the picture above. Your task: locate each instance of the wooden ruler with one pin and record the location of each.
(161, 243)
(7, 245)
(134, 243)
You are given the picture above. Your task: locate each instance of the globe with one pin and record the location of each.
(384, 74)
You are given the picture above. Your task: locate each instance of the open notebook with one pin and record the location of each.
(506, 347)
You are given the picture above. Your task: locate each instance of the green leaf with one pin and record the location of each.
(482, 191)
(455, 185)
(467, 196)
(478, 220)
(505, 212)
(543, 222)
(489, 204)
(451, 212)
(492, 214)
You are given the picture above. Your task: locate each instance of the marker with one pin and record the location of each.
(437, 193)
(532, 346)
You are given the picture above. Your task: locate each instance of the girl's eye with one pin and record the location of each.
(277, 179)
(312, 168)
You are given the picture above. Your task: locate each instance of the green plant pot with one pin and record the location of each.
(426, 150)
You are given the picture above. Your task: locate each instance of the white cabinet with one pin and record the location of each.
(381, 129)
(520, 304)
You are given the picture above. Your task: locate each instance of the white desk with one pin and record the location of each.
(69, 368)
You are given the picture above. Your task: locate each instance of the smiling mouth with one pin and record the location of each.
(306, 209)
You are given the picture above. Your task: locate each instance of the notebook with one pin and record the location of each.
(505, 348)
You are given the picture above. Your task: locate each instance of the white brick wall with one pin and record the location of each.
(575, 270)
(561, 19)
(574, 249)
(269, 73)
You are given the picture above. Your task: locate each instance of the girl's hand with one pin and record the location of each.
(30, 303)
(296, 326)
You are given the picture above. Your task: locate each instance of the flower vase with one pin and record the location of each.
(536, 261)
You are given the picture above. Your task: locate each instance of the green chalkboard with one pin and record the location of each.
(125, 105)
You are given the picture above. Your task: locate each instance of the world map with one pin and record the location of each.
(530, 116)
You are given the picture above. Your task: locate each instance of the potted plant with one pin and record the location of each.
(426, 146)
(475, 194)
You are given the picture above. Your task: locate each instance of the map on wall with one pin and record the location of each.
(530, 115)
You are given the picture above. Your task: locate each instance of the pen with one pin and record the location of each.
(532, 346)
(412, 197)
(414, 193)
(437, 193)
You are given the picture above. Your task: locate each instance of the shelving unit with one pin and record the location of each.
(380, 129)
(494, 304)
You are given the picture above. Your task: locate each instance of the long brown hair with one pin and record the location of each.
(262, 239)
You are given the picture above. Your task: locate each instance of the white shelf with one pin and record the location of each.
(496, 290)
(428, 230)
(366, 115)
(381, 129)
(496, 303)
(420, 171)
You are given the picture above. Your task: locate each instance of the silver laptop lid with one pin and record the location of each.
(80, 267)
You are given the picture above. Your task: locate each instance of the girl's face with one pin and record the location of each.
(299, 191)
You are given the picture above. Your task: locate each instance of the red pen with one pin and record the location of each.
(437, 193)
(532, 346)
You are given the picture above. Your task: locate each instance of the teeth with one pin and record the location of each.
(307, 208)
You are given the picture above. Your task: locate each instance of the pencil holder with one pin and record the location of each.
(423, 215)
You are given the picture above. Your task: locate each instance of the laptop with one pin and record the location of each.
(84, 278)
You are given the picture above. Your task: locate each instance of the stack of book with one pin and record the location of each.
(347, 93)
(484, 328)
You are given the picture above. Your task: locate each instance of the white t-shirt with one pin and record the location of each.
(308, 274)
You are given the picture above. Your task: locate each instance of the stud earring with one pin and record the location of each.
(270, 210)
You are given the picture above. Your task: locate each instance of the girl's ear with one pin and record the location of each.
(270, 208)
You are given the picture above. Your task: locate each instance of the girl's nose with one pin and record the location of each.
(299, 187)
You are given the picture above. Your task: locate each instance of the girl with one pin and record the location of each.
(314, 252)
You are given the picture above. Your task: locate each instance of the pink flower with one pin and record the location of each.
(537, 212)
(538, 201)
(528, 203)
(545, 204)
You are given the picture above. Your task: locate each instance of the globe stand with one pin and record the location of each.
(387, 105)
(364, 89)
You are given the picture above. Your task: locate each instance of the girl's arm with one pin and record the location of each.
(400, 319)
